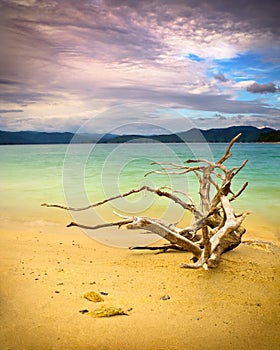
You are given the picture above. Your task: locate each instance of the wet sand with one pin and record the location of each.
(46, 269)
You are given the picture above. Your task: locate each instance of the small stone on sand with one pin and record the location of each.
(84, 311)
(104, 293)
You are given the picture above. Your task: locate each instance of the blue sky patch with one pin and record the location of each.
(247, 66)
(194, 57)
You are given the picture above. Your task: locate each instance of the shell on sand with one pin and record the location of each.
(106, 312)
(93, 296)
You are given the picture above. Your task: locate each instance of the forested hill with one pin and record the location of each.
(273, 136)
(37, 137)
(249, 134)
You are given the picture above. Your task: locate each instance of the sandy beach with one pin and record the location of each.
(46, 270)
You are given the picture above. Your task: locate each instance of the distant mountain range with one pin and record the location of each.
(249, 134)
(38, 137)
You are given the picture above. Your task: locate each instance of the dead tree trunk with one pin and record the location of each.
(215, 228)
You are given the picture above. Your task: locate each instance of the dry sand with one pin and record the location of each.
(46, 270)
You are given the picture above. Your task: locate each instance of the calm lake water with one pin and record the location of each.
(76, 175)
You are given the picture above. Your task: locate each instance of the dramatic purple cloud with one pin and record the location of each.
(2, 111)
(221, 77)
(65, 61)
(262, 88)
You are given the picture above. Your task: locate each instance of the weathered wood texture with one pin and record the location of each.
(215, 228)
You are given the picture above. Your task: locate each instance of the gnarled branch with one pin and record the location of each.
(215, 227)
(157, 191)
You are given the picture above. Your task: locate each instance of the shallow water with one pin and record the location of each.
(76, 175)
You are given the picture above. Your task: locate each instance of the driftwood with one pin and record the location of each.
(215, 228)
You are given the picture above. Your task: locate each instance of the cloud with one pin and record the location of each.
(8, 82)
(67, 59)
(256, 88)
(238, 120)
(2, 111)
(221, 77)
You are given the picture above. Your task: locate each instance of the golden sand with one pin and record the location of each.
(46, 271)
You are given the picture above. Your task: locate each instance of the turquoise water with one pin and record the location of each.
(76, 175)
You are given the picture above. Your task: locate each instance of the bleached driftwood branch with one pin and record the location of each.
(215, 227)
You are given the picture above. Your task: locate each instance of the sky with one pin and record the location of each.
(146, 66)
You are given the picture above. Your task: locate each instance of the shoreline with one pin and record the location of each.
(46, 270)
(138, 142)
